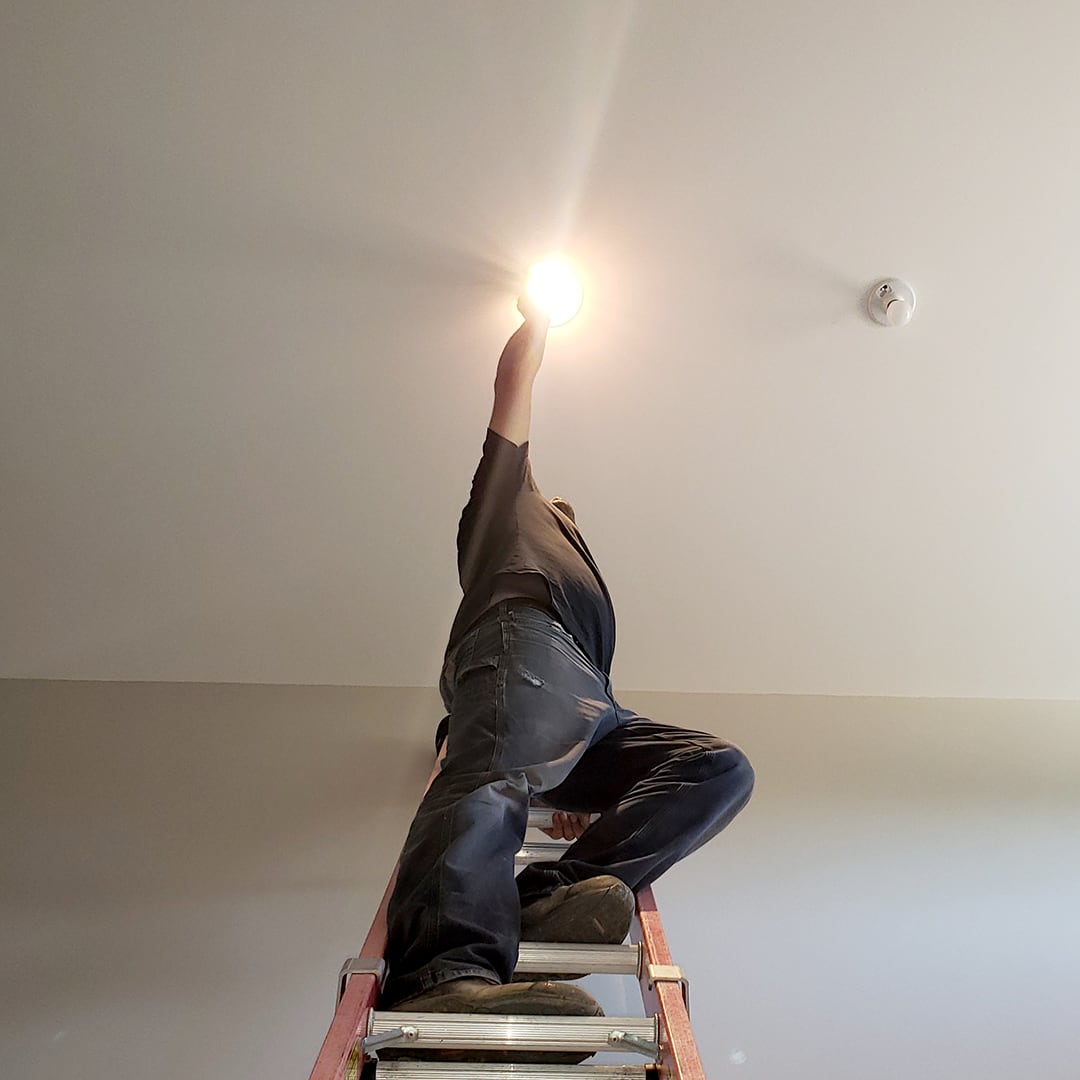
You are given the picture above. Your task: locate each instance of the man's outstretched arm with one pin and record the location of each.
(518, 365)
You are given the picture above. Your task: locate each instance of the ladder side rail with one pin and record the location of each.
(338, 1050)
(353, 1012)
(679, 1053)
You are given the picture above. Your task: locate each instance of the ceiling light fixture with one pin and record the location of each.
(556, 290)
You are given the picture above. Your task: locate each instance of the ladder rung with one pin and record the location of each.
(464, 1031)
(540, 851)
(434, 1070)
(539, 956)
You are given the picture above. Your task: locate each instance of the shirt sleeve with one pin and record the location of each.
(489, 517)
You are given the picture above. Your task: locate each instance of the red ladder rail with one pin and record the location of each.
(339, 1058)
(665, 997)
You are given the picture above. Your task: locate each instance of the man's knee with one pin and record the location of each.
(742, 774)
(731, 784)
(713, 759)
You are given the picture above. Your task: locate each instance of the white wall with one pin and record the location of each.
(185, 866)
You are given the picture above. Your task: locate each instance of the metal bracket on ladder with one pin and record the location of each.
(658, 973)
(360, 965)
(370, 1045)
(643, 1046)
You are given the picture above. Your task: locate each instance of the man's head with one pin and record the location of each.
(563, 506)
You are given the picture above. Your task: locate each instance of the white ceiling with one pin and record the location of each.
(259, 261)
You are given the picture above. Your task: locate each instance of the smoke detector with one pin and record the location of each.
(891, 302)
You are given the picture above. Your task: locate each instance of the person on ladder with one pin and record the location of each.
(531, 713)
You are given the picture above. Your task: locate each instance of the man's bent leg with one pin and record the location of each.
(661, 792)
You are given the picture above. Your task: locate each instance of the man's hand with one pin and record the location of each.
(566, 826)
(530, 312)
(518, 365)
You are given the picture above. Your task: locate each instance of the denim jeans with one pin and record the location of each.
(531, 716)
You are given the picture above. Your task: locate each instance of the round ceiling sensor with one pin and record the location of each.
(891, 302)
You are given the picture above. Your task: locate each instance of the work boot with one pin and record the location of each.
(482, 998)
(596, 911)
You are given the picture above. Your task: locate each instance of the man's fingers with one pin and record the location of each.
(531, 312)
(566, 826)
(581, 823)
(557, 829)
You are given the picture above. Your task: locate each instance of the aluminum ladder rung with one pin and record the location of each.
(544, 957)
(434, 1070)
(540, 851)
(465, 1031)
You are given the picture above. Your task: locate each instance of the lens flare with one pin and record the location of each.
(555, 289)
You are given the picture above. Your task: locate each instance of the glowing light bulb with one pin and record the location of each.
(555, 289)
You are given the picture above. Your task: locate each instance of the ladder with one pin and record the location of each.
(658, 1044)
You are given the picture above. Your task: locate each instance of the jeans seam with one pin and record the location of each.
(499, 704)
